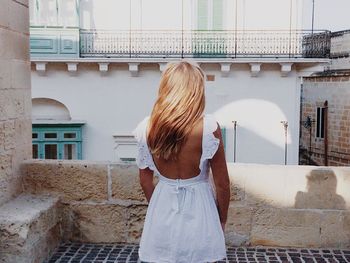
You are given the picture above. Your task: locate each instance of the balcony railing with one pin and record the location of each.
(204, 44)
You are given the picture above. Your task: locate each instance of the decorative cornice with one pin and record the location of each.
(225, 64)
(255, 69)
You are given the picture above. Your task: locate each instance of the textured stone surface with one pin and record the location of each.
(19, 77)
(135, 219)
(29, 228)
(98, 223)
(5, 74)
(334, 229)
(14, 103)
(286, 227)
(347, 228)
(37, 252)
(19, 18)
(5, 165)
(321, 191)
(264, 185)
(16, 44)
(286, 217)
(238, 226)
(25, 217)
(126, 182)
(10, 186)
(285, 236)
(237, 183)
(334, 89)
(72, 180)
(273, 205)
(4, 13)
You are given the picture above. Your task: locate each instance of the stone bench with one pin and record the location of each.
(29, 228)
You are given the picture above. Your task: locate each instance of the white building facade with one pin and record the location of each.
(96, 66)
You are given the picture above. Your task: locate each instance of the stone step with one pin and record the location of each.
(30, 228)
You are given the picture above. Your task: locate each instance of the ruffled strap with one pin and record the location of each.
(210, 142)
(143, 157)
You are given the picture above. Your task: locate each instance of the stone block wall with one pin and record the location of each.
(340, 44)
(336, 90)
(15, 95)
(273, 205)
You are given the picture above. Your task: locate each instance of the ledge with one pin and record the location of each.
(198, 60)
(283, 205)
(225, 63)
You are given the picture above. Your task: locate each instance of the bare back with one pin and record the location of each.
(187, 164)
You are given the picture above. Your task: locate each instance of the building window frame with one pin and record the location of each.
(60, 141)
(320, 122)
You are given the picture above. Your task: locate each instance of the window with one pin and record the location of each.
(35, 151)
(56, 142)
(320, 122)
(54, 13)
(208, 40)
(50, 135)
(210, 14)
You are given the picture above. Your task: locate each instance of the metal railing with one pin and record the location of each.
(204, 44)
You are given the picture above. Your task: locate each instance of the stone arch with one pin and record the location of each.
(49, 109)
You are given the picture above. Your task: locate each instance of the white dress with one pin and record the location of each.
(182, 223)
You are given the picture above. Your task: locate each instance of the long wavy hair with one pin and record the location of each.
(180, 104)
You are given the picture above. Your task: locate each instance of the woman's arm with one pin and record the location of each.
(221, 178)
(146, 182)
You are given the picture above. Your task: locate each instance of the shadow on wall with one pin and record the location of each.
(321, 191)
(260, 135)
(251, 147)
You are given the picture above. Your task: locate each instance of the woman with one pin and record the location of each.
(185, 220)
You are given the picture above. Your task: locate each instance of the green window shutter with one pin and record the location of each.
(223, 135)
(202, 11)
(57, 141)
(217, 14)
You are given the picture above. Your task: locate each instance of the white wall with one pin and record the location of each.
(115, 103)
(167, 14)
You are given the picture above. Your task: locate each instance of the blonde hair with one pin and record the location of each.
(180, 104)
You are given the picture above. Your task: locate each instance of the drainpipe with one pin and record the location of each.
(234, 140)
(325, 133)
(310, 141)
(285, 126)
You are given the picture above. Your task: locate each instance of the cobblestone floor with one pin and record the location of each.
(127, 253)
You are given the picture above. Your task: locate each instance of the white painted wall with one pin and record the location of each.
(114, 103)
(167, 14)
(49, 109)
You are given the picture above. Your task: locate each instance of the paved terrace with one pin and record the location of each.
(118, 253)
(93, 203)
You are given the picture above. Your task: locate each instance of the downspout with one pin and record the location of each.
(325, 133)
(234, 140)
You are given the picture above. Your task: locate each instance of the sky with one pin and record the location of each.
(333, 15)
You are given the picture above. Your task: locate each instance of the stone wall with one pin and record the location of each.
(15, 95)
(340, 44)
(336, 90)
(273, 205)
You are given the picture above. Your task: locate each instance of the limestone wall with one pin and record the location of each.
(336, 90)
(15, 95)
(270, 205)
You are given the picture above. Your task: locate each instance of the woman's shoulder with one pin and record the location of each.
(140, 128)
(210, 141)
